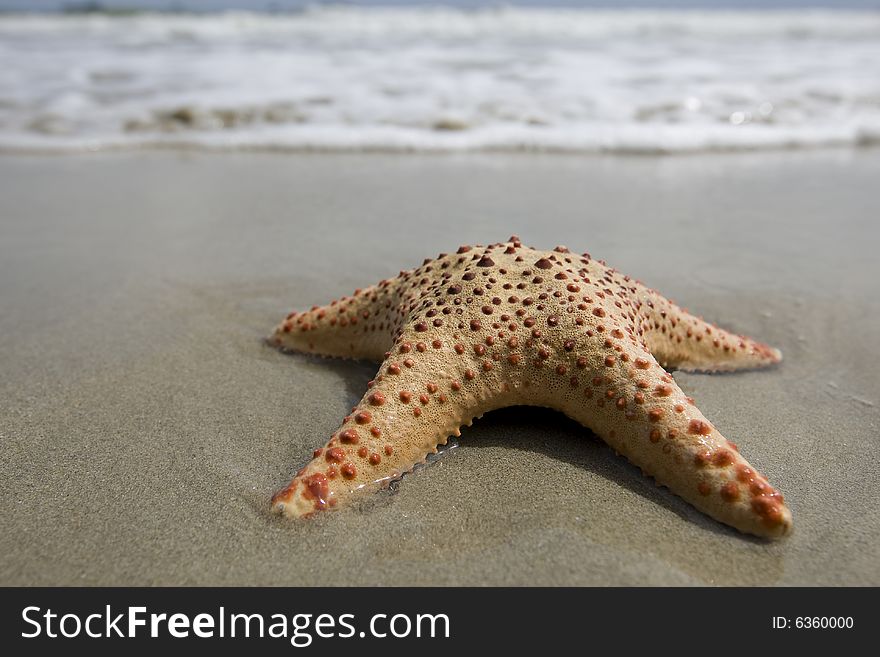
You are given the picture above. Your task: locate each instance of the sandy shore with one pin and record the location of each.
(144, 425)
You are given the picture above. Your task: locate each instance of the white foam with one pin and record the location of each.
(442, 80)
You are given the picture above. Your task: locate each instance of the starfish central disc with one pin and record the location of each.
(503, 325)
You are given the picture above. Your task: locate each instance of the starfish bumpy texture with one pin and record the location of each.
(504, 325)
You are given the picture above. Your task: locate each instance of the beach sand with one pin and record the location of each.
(144, 424)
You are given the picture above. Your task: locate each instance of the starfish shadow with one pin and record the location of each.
(353, 373)
(548, 432)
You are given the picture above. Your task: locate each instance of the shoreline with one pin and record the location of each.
(861, 144)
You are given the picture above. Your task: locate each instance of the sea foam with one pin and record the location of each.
(442, 80)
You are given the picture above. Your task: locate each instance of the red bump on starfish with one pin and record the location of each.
(570, 315)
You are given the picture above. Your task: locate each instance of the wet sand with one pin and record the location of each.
(144, 424)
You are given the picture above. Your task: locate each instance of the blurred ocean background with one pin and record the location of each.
(643, 77)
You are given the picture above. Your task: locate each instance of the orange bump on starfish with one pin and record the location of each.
(503, 325)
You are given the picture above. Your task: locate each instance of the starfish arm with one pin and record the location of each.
(356, 326)
(423, 393)
(680, 340)
(637, 408)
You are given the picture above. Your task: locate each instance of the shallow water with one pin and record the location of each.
(442, 79)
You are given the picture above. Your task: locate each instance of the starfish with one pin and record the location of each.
(501, 325)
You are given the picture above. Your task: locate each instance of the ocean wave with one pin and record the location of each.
(442, 80)
(447, 22)
(647, 140)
